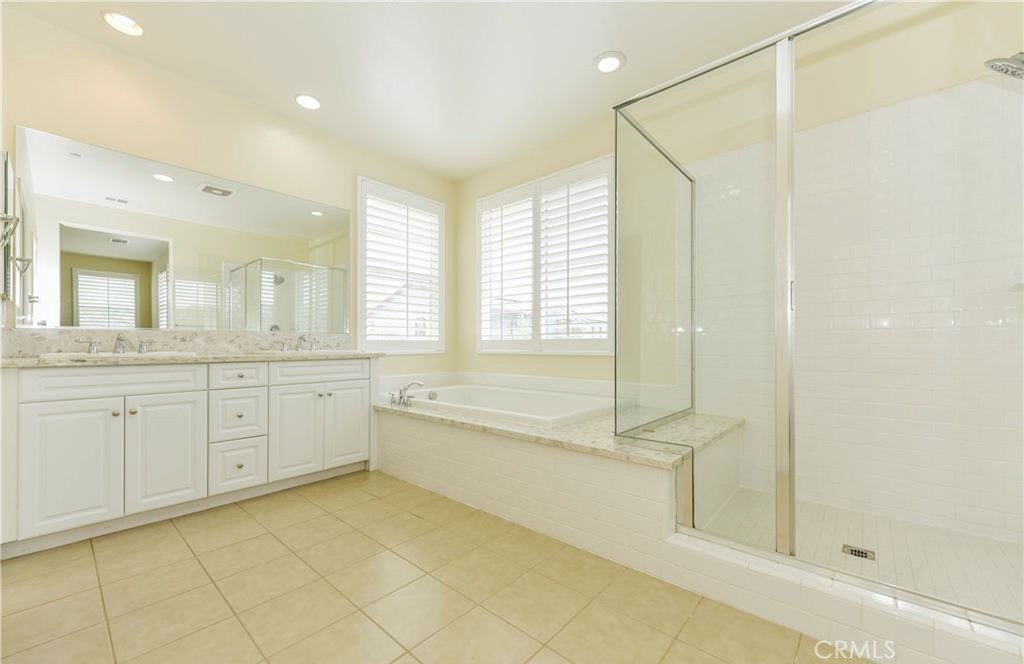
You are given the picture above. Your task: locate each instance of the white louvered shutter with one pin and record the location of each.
(506, 270)
(545, 264)
(105, 299)
(163, 301)
(195, 304)
(401, 251)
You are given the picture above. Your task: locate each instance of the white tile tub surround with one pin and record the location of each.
(625, 511)
(32, 342)
(909, 293)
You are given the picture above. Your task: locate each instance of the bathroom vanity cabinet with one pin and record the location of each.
(98, 443)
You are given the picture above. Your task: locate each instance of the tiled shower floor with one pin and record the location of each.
(361, 569)
(972, 571)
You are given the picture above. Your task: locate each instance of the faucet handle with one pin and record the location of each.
(142, 346)
(94, 346)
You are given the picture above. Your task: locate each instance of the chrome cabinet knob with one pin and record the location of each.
(116, 413)
(239, 415)
(239, 466)
(320, 394)
(133, 411)
(241, 375)
(330, 394)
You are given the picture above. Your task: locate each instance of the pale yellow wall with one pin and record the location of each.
(69, 261)
(585, 144)
(58, 82)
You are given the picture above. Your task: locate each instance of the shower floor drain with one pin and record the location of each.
(858, 552)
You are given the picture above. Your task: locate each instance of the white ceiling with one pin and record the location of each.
(455, 87)
(47, 167)
(97, 243)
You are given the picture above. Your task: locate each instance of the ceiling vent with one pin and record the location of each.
(112, 199)
(118, 240)
(216, 191)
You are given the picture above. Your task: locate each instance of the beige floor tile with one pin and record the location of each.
(477, 636)
(407, 659)
(548, 656)
(537, 605)
(398, 528)
(433, 549)
(61, 617)
(314, 531)
(407, 499)
(364, 514)
(738, 637)
(808, 653)
(580, 570)
(232, 559)
(225, 642)
(131, 552)
(280, 509)
(661, 605)
(264, 582)
(354, 639)
(288, 619)
(386, 486)
(373, 578)
(153, 586)
(443, 511)
(599, 634)
(16, 570)
(47, 587)
(88, 646)
(480, 528)
(479, 574)
(418, 610)
(340, 552)
(158, 624)
(524, 546)
(332, 495)
(212, 529)
(681, 653)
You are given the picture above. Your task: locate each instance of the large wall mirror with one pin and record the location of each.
(111, 240)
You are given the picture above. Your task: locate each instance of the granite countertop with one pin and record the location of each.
(133, 359)
(594, 435)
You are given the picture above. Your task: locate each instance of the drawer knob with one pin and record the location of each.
(116, 413)
(239, 415)
(330, 394)
(239, 466)
(320, 394)
(133, 411)
(241, 375)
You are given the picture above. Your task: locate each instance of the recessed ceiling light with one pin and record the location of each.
(123, 24)
(317, 213)
(162, 177)
(308, 102)
(609, 61)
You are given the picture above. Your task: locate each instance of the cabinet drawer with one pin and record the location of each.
(240, 413)
(61, 383)
(243, 374)
(293, 373)
(238, 464)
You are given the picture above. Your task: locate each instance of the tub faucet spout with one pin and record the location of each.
(404, 398)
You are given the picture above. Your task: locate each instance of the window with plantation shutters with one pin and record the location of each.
(105, 299)
(195, 304)
(401, 243)
(545, 264)
(163, 301)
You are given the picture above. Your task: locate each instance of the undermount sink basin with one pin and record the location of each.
(107, 355)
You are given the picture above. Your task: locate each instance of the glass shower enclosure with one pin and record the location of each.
(823, 237)
(277, 295)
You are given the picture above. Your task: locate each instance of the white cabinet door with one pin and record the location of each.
(346, 423)
(72, 464)
(296, 430)
(165, 452)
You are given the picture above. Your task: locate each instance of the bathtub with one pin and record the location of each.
(511, 405)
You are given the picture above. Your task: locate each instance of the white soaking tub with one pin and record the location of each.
(512, 405)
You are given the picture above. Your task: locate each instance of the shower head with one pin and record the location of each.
(1011, 66)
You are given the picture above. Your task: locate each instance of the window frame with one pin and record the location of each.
(536, 345)
(106, 274)
(367, 186)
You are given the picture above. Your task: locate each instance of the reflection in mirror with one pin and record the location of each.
(117, 241)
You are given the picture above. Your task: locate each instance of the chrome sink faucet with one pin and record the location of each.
(94, 346)
(121, 344)
(404, 399)
(302, 343)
